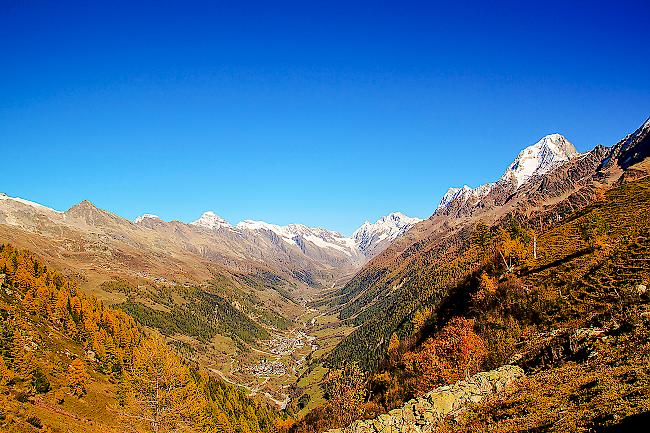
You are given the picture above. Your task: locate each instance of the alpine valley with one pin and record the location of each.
(538, 279)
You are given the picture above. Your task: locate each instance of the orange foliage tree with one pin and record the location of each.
(486, 292)
(77, 377)
(455, 352)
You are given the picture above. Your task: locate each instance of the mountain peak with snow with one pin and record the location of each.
(372, 236)
(464, 194)
(451, 195)
(366, 241)
(145, 217)
(298, 235)
(538, 159)
(211, 221)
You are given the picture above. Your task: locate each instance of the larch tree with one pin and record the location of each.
(78, 377)
(159, 392)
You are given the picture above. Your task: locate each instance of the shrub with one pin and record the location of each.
(22, 397)
(35, 421)
(455, 352)
(39, 381)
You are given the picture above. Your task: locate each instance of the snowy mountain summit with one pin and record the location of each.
(535, 160)
(464, 194)
(539, 159)
(371, 238)
(210, 220)
(145, 217)
(299, 235)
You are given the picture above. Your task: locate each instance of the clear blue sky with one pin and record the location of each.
(325, 113)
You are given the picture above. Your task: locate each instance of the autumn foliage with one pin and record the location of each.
(156, 389)
(77, 377)
(452, 354)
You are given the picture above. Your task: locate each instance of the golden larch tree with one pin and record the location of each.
(77, 377)
(159, 392)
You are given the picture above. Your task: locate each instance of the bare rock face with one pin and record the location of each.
(422, 414)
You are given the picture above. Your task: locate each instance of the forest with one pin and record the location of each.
(67, 361)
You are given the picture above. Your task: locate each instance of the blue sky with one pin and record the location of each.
(324, 113)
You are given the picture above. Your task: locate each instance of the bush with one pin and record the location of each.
(35, 421)
(39, 381)
(22, 397)
(303, 401)
(501, 336)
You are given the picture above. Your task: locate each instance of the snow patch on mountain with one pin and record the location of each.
(383, 231)
(464, 194)
(146, 216)
(4, 197)
(296, 234)
(282, 232)
(211, 221)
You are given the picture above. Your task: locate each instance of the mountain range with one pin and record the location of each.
(549, 173)
(97, 241)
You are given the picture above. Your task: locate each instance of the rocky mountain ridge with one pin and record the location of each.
(298, 255)
(368, 240)
(534, 161)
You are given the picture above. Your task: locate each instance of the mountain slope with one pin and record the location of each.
(421, 266)
(573, 314)
(590, 351)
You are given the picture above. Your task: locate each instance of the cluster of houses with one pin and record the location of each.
(268, 368)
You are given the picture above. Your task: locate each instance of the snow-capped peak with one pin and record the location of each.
(384, 230)
(451, 195)
(281, 231)
(367, 240)
(539, 159)
(464, 194)
(210, 220)
(4, 196)
(296, 234)
(146, 216)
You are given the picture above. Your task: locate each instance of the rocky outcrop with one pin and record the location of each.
(422, 414)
